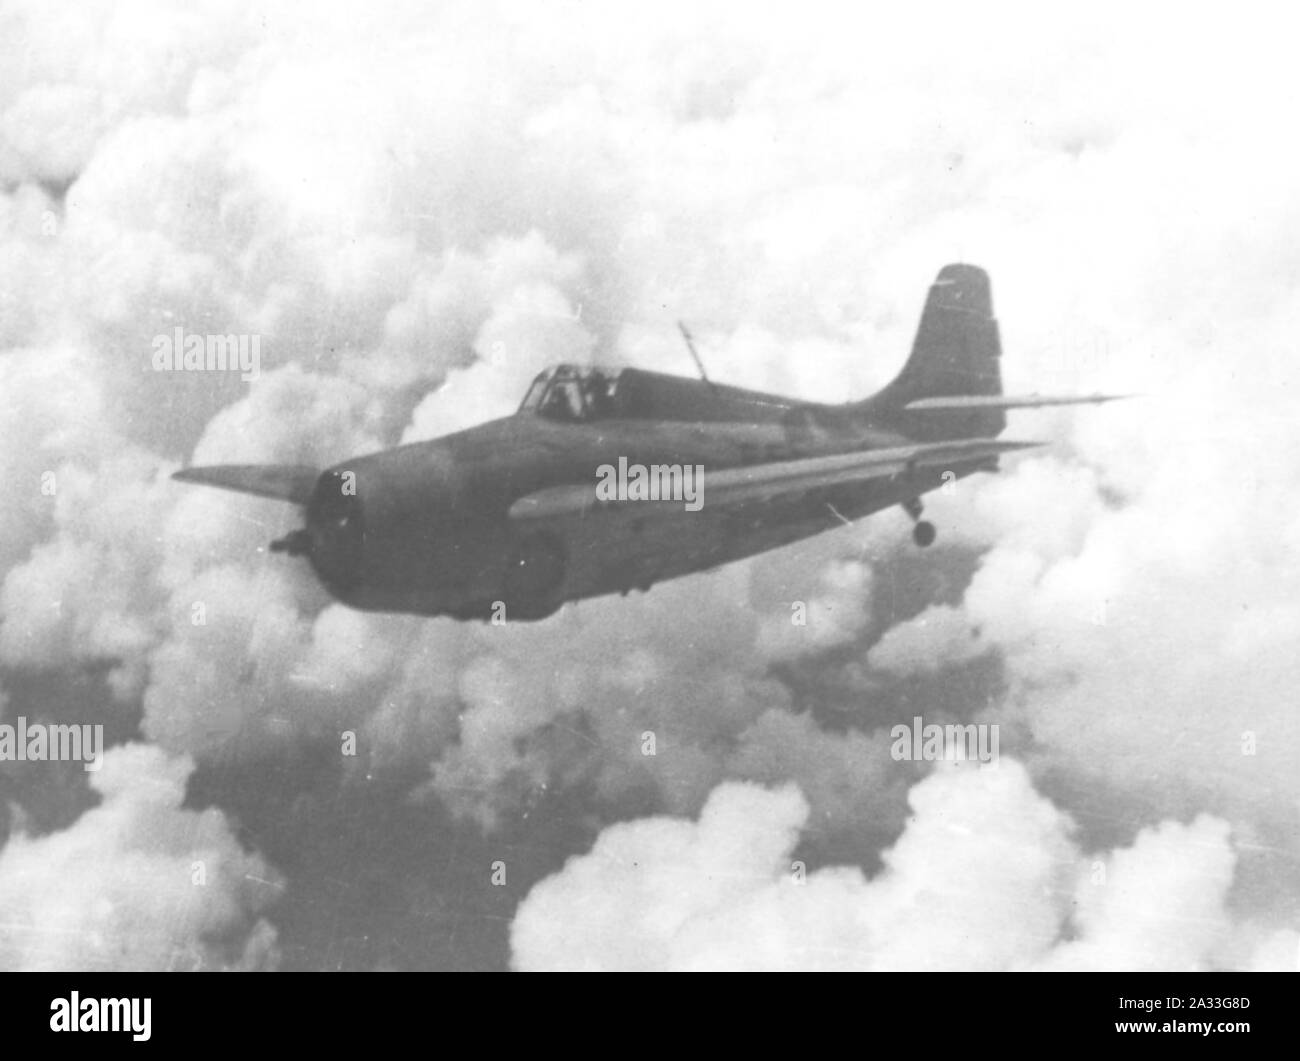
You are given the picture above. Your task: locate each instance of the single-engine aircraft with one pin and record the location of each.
(508, 519)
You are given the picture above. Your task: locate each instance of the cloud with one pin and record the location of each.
(986, 875)
(137, 882)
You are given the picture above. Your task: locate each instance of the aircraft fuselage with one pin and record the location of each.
(426, 528)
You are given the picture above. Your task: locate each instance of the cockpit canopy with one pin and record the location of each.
(572, 392)
(577, 394)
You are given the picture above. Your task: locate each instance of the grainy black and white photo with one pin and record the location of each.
(647, 487)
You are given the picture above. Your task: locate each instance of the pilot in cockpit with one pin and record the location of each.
(599, 392)
(563, 401)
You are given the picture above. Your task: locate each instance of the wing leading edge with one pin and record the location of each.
(766, 481)
(960, 402)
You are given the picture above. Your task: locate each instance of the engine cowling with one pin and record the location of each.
(336, 529)
(534, 577)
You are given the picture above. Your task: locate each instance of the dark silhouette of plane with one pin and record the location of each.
(605, 482)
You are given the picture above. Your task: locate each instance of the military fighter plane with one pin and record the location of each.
(512, 518)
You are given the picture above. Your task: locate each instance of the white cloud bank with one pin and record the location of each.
(986, 875)
(136, 883)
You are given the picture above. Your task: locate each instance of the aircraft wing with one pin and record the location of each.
(755, 482)
(962, 402)
(283, 482)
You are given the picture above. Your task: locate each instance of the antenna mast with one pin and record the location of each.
(690, 345)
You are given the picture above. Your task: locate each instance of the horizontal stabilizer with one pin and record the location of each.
(283, 482)
(957, 402)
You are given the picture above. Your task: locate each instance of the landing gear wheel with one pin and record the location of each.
(924, 533)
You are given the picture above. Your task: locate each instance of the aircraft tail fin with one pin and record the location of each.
(957, 353)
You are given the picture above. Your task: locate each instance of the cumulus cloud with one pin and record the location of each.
(986, 875)
(137, 882)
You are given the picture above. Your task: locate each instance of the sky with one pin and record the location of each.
(416, 207)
